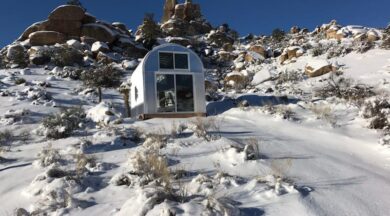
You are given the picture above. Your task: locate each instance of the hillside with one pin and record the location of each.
(298, 122)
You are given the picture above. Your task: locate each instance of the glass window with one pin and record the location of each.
(184, 93)
(181, 61)
(165, 93)
(166, 60)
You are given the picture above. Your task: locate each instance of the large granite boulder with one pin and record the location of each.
(67, 12)
(98, 31)
(318, 68)
(33, 28)
(41, 38)
(169, 10)
(67, 27)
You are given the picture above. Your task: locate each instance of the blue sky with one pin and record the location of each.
(256, 16)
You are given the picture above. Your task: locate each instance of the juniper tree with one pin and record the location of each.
(102, 76)
(149, 31)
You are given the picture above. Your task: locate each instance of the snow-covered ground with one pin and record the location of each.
(328, 166)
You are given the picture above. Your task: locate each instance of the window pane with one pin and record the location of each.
(166, 60)
(165, 93)
(185, 93)
(181, 61)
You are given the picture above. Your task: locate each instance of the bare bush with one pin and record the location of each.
(280, 168)
(62, 124)
(153, 167)
(203, 128)
(341, 87)
(325, 113)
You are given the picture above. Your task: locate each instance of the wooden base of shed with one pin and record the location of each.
(170, 115)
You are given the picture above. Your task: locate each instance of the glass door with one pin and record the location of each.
(175, 93)
(184, 93)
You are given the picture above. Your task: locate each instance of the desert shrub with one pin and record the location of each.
(63, 123)
(19, 81)
(6, 139)
(325, 113)
(82, 161)
(103, 76)
(48, 156)
(341, 87)
(153, 167)
(318, 50)
(70, 72)
(378, 111)
(289, 77)
(203, 128)
(156, 141)
(364, 46)
(66, 56)
(177, 129)
(286, 113)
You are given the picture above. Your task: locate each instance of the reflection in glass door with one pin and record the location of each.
(165, 93)
(175, 93)
(184, 93)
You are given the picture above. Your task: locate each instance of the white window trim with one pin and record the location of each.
(174, 59)
(174, 73)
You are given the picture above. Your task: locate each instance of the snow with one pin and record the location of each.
(99, 46)
(317, 64)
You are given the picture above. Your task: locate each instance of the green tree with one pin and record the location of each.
(278, 34)
(103, 76)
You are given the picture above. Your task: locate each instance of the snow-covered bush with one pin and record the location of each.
(48, 156)
(62, 124)
(378, 111)
(68, 72)
(104, 114)
(252, 149)
(325, 113)
(155, 141)
(83, 162)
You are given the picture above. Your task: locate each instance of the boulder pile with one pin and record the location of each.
(183, 19)
(70, 27)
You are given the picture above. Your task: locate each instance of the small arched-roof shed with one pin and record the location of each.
(168, 83)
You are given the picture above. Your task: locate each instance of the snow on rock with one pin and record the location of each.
(129, 65)
(104, 113)
(318, 67)
(99, 47)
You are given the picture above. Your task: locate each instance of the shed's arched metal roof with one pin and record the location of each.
(164, 47)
